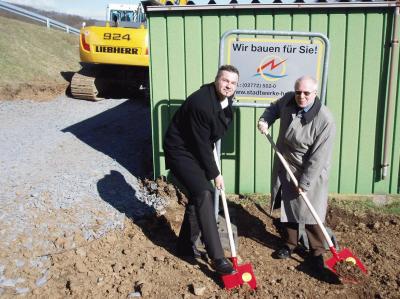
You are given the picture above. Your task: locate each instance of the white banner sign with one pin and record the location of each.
(269, 67)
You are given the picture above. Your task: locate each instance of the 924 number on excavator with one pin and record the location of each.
(116, 36)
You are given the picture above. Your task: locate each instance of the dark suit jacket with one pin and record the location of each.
(190, 138)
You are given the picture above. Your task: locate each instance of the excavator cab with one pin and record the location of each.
(126, 15)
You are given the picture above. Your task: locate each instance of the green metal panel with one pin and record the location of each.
(380, 186)
(193, 53)
(351, 102)
(184, 55)
(319, 23)
(211, 36)
(301, 22)
(395, 163)
(246, 122)
(394, 170)
(263, 151)
(369, 102)
(282, 22)
(176, 57)
(160, 113)
(334, 93)
(228, 150)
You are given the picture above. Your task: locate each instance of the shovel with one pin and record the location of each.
(343, 256)
(244, 273)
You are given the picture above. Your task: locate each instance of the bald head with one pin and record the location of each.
(305, 89)
(307, 78)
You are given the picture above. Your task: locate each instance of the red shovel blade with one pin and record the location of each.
(345, 255)
(244, 274)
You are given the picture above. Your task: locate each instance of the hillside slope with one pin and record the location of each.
(34, 59)
(71, 20)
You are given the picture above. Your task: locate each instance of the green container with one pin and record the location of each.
(184, 47)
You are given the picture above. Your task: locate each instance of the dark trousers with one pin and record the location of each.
(314, 235)
(199, 217)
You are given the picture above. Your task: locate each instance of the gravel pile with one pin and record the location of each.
(69, 174)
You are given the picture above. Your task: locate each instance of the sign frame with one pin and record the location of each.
(269, 66)
(311, 35)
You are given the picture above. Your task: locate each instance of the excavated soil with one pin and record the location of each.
(139, 261)
(39, 91)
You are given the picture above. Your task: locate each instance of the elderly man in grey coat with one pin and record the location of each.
(305, 139)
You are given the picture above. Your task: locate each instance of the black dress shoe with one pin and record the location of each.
(284, 253)
(223, 266)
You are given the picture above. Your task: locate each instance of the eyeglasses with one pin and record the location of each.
(306, 93)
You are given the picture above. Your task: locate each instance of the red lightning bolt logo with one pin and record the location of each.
(272, 63)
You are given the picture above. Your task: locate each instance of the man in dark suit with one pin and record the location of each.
(188, 146)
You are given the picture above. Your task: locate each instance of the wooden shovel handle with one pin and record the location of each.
(303, 194)
(226, 211)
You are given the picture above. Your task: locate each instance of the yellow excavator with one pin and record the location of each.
(115, 54)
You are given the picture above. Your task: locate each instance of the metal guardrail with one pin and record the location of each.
(34, 16)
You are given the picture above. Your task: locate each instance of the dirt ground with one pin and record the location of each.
(139, 261)
(39, 91)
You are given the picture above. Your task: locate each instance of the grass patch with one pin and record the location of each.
(382, 204)
(368, 204)
(33, 53)
(244, 199)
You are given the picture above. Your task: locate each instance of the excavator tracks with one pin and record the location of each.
(97, 82)
(83, 87)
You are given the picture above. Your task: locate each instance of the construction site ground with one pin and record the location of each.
(136, 257)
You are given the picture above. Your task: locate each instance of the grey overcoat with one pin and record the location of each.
(306, 142)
